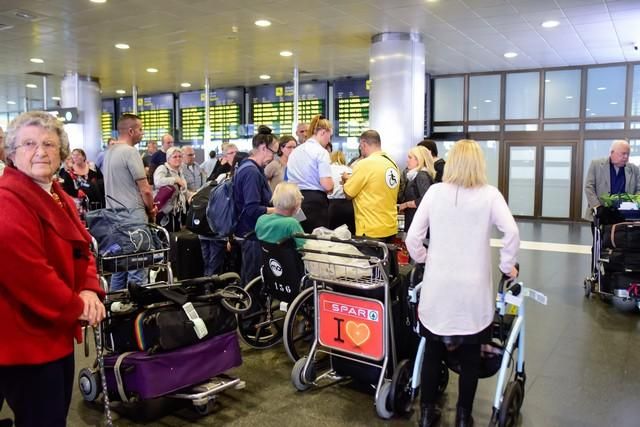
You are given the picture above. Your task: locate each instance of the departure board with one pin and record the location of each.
(352, 106)
(225, 114)
(273, 105)
(156, 113)
(107, 119)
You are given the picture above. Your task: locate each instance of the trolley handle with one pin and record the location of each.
(509, 284)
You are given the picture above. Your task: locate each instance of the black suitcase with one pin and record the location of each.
(185, 255)
(624, 235)
(611, 282)
(620, 260)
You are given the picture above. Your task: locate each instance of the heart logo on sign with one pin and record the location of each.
(358, 332)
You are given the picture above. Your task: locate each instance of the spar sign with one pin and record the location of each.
(352, 324)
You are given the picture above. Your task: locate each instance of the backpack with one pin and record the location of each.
(221, 210)
(197, 221)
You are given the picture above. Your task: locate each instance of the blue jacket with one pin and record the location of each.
(251, 194)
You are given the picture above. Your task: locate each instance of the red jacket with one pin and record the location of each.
(45, 261)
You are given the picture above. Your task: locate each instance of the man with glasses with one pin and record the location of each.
(226, 162)
(126, 185)
(192, 172)
(301, 132)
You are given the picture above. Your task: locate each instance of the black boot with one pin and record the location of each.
(463, 418)
(429, 415)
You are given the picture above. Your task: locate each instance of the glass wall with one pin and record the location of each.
(491, 154)
(562, 94)
(556, 181)
(635, 99)
(606, 91)
(522, 97)
(522, 180)
(448, 99)
(484, 97)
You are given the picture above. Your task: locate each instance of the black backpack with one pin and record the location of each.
(197, 213)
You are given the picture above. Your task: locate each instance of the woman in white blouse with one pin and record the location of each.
(457, 301)
(170, 174)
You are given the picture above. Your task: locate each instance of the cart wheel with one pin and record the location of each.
(258, 327)
(510, 406)
(382, 407)
(588, 284)
(299, 325)
(400, 396)
(235, 299)
(444, 378)
(205, 408)
(89, 383)
(301, 379)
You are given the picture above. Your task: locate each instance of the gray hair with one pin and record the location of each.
(172, 150)
(286, 196)
(41, 119)
(617, 142)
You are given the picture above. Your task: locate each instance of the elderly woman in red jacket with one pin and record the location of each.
(48, 281)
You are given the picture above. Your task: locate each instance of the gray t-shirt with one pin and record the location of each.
(122, 168)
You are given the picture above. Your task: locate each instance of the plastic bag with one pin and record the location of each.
(335, 262)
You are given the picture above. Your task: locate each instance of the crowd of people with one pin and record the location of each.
(283, 186)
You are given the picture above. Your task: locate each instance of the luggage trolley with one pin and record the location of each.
(354, 325)
(615, 262)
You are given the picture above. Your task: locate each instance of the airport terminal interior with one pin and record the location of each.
(544, 86)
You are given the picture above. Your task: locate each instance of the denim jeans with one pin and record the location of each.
(120, 280)
(212, 255)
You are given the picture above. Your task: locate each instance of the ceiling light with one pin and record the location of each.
(286, 53)
(568, 97)
(547, 80)
(32, 86)
(474, 107)
(122, 46)
(262, 23)
(431, 1)
(510, 55)
(587, 109)
(98, 1)
(185, 84)
(11, 102)
(550, 24)
(488, 101)
(55, 98)
(601, 88)
(121, 91)
(265, 76)
(37, 60)
(152, 70)
(613, 103)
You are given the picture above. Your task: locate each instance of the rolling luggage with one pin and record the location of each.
(185, 255)
(620, 260)
(138, 375)
(611, 282)
(624, 235)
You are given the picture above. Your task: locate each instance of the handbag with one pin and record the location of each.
(163, 196)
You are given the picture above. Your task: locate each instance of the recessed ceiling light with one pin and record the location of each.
(601, 88)
(488, 101)
(568, 97)
(37, 60)
(11, 102)
(587, 109)
(32, 86)
(550, 24)
(547, 80)
(432, 1)
(510, 55)
(474, 107)
(286, 53)
(98, 1)
(122, 46)
(121, 91)
(152, 70)
(265, 76)
(185, 84)
(55, 98)
(613, 103)
(262, 23)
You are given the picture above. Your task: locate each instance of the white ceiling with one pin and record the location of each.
(190, 39)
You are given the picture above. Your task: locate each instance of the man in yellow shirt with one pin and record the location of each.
(373, 186)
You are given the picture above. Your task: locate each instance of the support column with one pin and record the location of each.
(83, 93)
(296, 99)
(396, 97)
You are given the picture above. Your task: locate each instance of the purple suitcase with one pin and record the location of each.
(147, 376)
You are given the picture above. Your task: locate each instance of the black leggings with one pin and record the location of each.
(469, 358)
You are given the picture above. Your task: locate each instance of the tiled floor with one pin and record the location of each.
(581, 364)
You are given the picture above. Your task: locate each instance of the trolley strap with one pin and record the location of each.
(118, 375)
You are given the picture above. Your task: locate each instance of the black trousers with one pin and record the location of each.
(316, 208)
(341, 212)
(39, 395)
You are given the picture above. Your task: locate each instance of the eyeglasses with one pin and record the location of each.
(272, 150)
(31, 145)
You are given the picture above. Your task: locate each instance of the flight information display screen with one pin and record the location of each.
(107, 119)
(156, 113)
(225, 114)
(352, 106)
(272, 105)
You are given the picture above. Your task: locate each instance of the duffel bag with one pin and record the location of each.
(624, 235)
(619, 260)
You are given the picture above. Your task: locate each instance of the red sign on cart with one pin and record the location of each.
(351, 324)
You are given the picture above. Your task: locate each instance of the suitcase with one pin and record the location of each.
(624, 235)
(611, 282)
(620, 260)
(185, 255)
(145, 376)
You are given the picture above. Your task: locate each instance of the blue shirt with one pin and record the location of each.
(307, 164)
(617, 180)
(251, 194)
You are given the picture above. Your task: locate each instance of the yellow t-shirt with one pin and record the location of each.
(374, 189)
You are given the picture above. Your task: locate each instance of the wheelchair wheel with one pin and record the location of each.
(382, 407)
(400, 398)
(258, 327)
(511, 403)
(299, 325)
(235, 299)
(89, 383)
(301, 379)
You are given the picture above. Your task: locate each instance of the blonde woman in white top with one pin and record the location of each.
(456, 302)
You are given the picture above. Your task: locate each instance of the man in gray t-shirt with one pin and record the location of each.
(126, 186)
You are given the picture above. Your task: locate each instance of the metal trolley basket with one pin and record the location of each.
(353, 317)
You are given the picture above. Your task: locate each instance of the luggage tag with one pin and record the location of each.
(537, 296)
(198, 324)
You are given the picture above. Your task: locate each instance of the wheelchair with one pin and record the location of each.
(281, 306)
